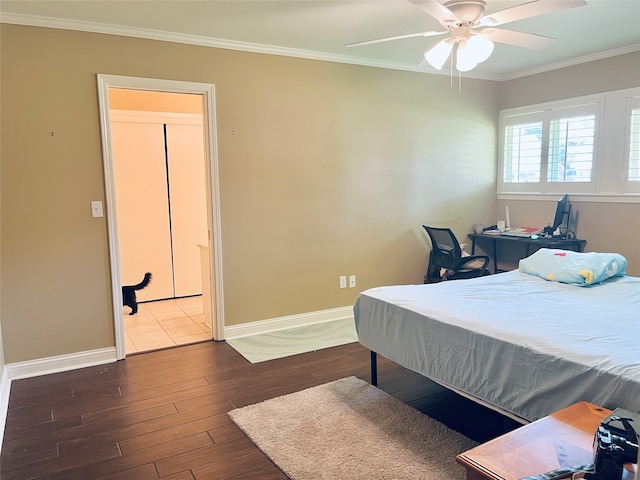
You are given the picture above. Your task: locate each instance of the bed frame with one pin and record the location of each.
(392, 321)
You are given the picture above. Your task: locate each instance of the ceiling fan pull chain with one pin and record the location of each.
(451, 72)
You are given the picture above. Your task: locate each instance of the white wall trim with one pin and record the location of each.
(5, 389)
(571, 62)
(110, 29)
(61, 363)
(290, 321)
(574, 197)
(207, 91)
(140, 116)
(44, 366)
(150, 34)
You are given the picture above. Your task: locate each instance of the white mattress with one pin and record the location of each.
(528, 346)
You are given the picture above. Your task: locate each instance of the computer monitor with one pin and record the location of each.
(562, 209)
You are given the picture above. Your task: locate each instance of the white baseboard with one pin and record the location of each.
(61, 363)
(5, 389)
(290, 321)
(45, 366)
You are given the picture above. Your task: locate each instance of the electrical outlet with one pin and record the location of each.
(343, 281)
(352, 281)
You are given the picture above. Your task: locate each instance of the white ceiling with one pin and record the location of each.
(320, 28)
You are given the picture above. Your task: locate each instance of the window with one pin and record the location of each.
(522, 152)
(547, 149)
(633, 155)
(572, 146)
(571, 143)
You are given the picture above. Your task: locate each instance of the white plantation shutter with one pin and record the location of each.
(633, 171)
(522, 152)
(571, 143)
(585, 146)
(631, 174)
(549, 150)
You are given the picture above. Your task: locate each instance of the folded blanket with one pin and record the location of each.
(573, 267)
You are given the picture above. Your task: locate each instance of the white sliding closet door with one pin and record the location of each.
(187, 187)
(142, 203)
(160, 185)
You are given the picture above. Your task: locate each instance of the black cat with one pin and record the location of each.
(129, 293)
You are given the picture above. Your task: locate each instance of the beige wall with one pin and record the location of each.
(607, 227)
(325, 170)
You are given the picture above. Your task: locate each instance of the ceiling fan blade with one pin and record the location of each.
(519, 39)
(436, 10)
(527, 10)
(398, 37)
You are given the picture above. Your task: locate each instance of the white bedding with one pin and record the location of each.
(523, 344)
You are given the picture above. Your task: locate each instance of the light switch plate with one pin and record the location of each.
(96, 209)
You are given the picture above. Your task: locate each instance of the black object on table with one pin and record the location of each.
(498, 241)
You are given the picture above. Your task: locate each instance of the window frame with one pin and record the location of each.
(609, 171)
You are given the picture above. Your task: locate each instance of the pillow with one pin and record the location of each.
(575, 268)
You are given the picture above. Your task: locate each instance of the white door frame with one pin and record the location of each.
(213, 193)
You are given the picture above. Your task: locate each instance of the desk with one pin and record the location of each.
(563, 439)
(527, 242)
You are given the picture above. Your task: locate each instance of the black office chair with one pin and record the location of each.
(446, 254)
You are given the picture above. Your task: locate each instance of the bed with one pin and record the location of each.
(518, 343)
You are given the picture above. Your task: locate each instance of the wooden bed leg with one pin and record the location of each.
(374, 369)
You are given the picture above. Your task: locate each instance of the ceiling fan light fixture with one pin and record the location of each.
(466, 23)
(465, 59)
(480, 47)
(439, 53)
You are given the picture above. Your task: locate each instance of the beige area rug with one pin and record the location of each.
(349, 429)
(293, 341)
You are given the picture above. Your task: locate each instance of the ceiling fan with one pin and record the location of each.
(474, 32)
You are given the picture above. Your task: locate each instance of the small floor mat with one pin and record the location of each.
(293, 341)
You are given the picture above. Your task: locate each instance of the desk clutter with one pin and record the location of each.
(497, 246)
(560, 228)
(609, 454)
(531, 232)
(615, 444)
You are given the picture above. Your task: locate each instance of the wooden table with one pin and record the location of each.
(563, 439)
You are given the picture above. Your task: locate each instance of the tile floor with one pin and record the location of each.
(165, 323)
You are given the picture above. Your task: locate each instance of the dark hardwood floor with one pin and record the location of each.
(163, 414)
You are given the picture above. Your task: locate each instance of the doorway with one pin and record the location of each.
(157, 145)
(174, 286)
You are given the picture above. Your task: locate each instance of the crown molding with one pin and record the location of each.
(150, 34)
(570, 63)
